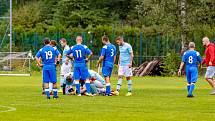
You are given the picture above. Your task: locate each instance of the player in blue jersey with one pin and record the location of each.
(48, 54)
(66, 63)
(124, 64)
(190, 59)
(108, 56)
(79, 53)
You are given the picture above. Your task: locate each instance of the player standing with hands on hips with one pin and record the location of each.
(48, 54)
(79, 53)
(190, 59)
(125, 65)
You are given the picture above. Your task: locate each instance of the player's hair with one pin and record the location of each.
(53, 42)
(105, 38)
(119, 38)
(191, 45)
(46, 41)
(63, 40)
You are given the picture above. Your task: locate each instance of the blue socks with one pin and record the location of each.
(192, 86)
(88, 86)
(108, 90)
(129, 85)
(188, 88)
(78, 88)
(47, 92)
(55, 92)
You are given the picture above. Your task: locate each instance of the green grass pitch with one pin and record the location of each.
(154, 99)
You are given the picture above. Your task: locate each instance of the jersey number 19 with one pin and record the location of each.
(48, 55)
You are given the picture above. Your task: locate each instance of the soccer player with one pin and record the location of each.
(124, 64)
(210, 62)
(108, 56)
(66, 63)
(190, 59)
(48, 54)
(79, 53)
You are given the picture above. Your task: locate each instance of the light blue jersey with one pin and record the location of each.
(66, 49)
(125, 51)
(97, 76)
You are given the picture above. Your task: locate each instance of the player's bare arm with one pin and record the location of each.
(101, 58)
(180, 68)
(89, 56)
(131, 56)
(38, 62)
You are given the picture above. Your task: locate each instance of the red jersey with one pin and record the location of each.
(210, 54)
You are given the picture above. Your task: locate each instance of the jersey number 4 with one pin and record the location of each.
(48, 55)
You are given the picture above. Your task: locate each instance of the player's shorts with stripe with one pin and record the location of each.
(107, 71)
(125, 71)
(192, 74)
(49, 75)
(210, 72)
(81, 73)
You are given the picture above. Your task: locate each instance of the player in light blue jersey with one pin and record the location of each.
(124, 64)
(48, 54)
(66, 63)
(108, 57)
(190, 59)
(79, 53)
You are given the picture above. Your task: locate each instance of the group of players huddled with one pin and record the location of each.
(86, 82)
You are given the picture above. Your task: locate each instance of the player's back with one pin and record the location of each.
(109, 55)
(191, 58)
(48, 55)
(79, 53)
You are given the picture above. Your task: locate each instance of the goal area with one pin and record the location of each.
(15, 63)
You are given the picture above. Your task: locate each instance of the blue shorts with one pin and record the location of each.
(192, 74)
(107, 71)
(49, 76)
(80, 73)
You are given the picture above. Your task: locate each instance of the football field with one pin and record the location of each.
(154, 98)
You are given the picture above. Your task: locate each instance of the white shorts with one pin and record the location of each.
(125, 71)
(65, 69)
(210, 72)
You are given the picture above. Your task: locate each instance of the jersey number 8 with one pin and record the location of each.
(190, 59)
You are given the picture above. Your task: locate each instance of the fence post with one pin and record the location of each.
(141, 47)
(158, 44)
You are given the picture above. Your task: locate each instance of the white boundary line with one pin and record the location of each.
(15, 74)
(9, 109)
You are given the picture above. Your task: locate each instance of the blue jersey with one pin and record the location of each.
(79, 53)
(109, 53)
(47, 54)
(125, 54)
(191, 58)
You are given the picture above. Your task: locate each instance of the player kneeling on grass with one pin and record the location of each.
(108, 56)
(69, 83)
(79, 53)
(96, 83)
(48, 54)
(190, 59)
